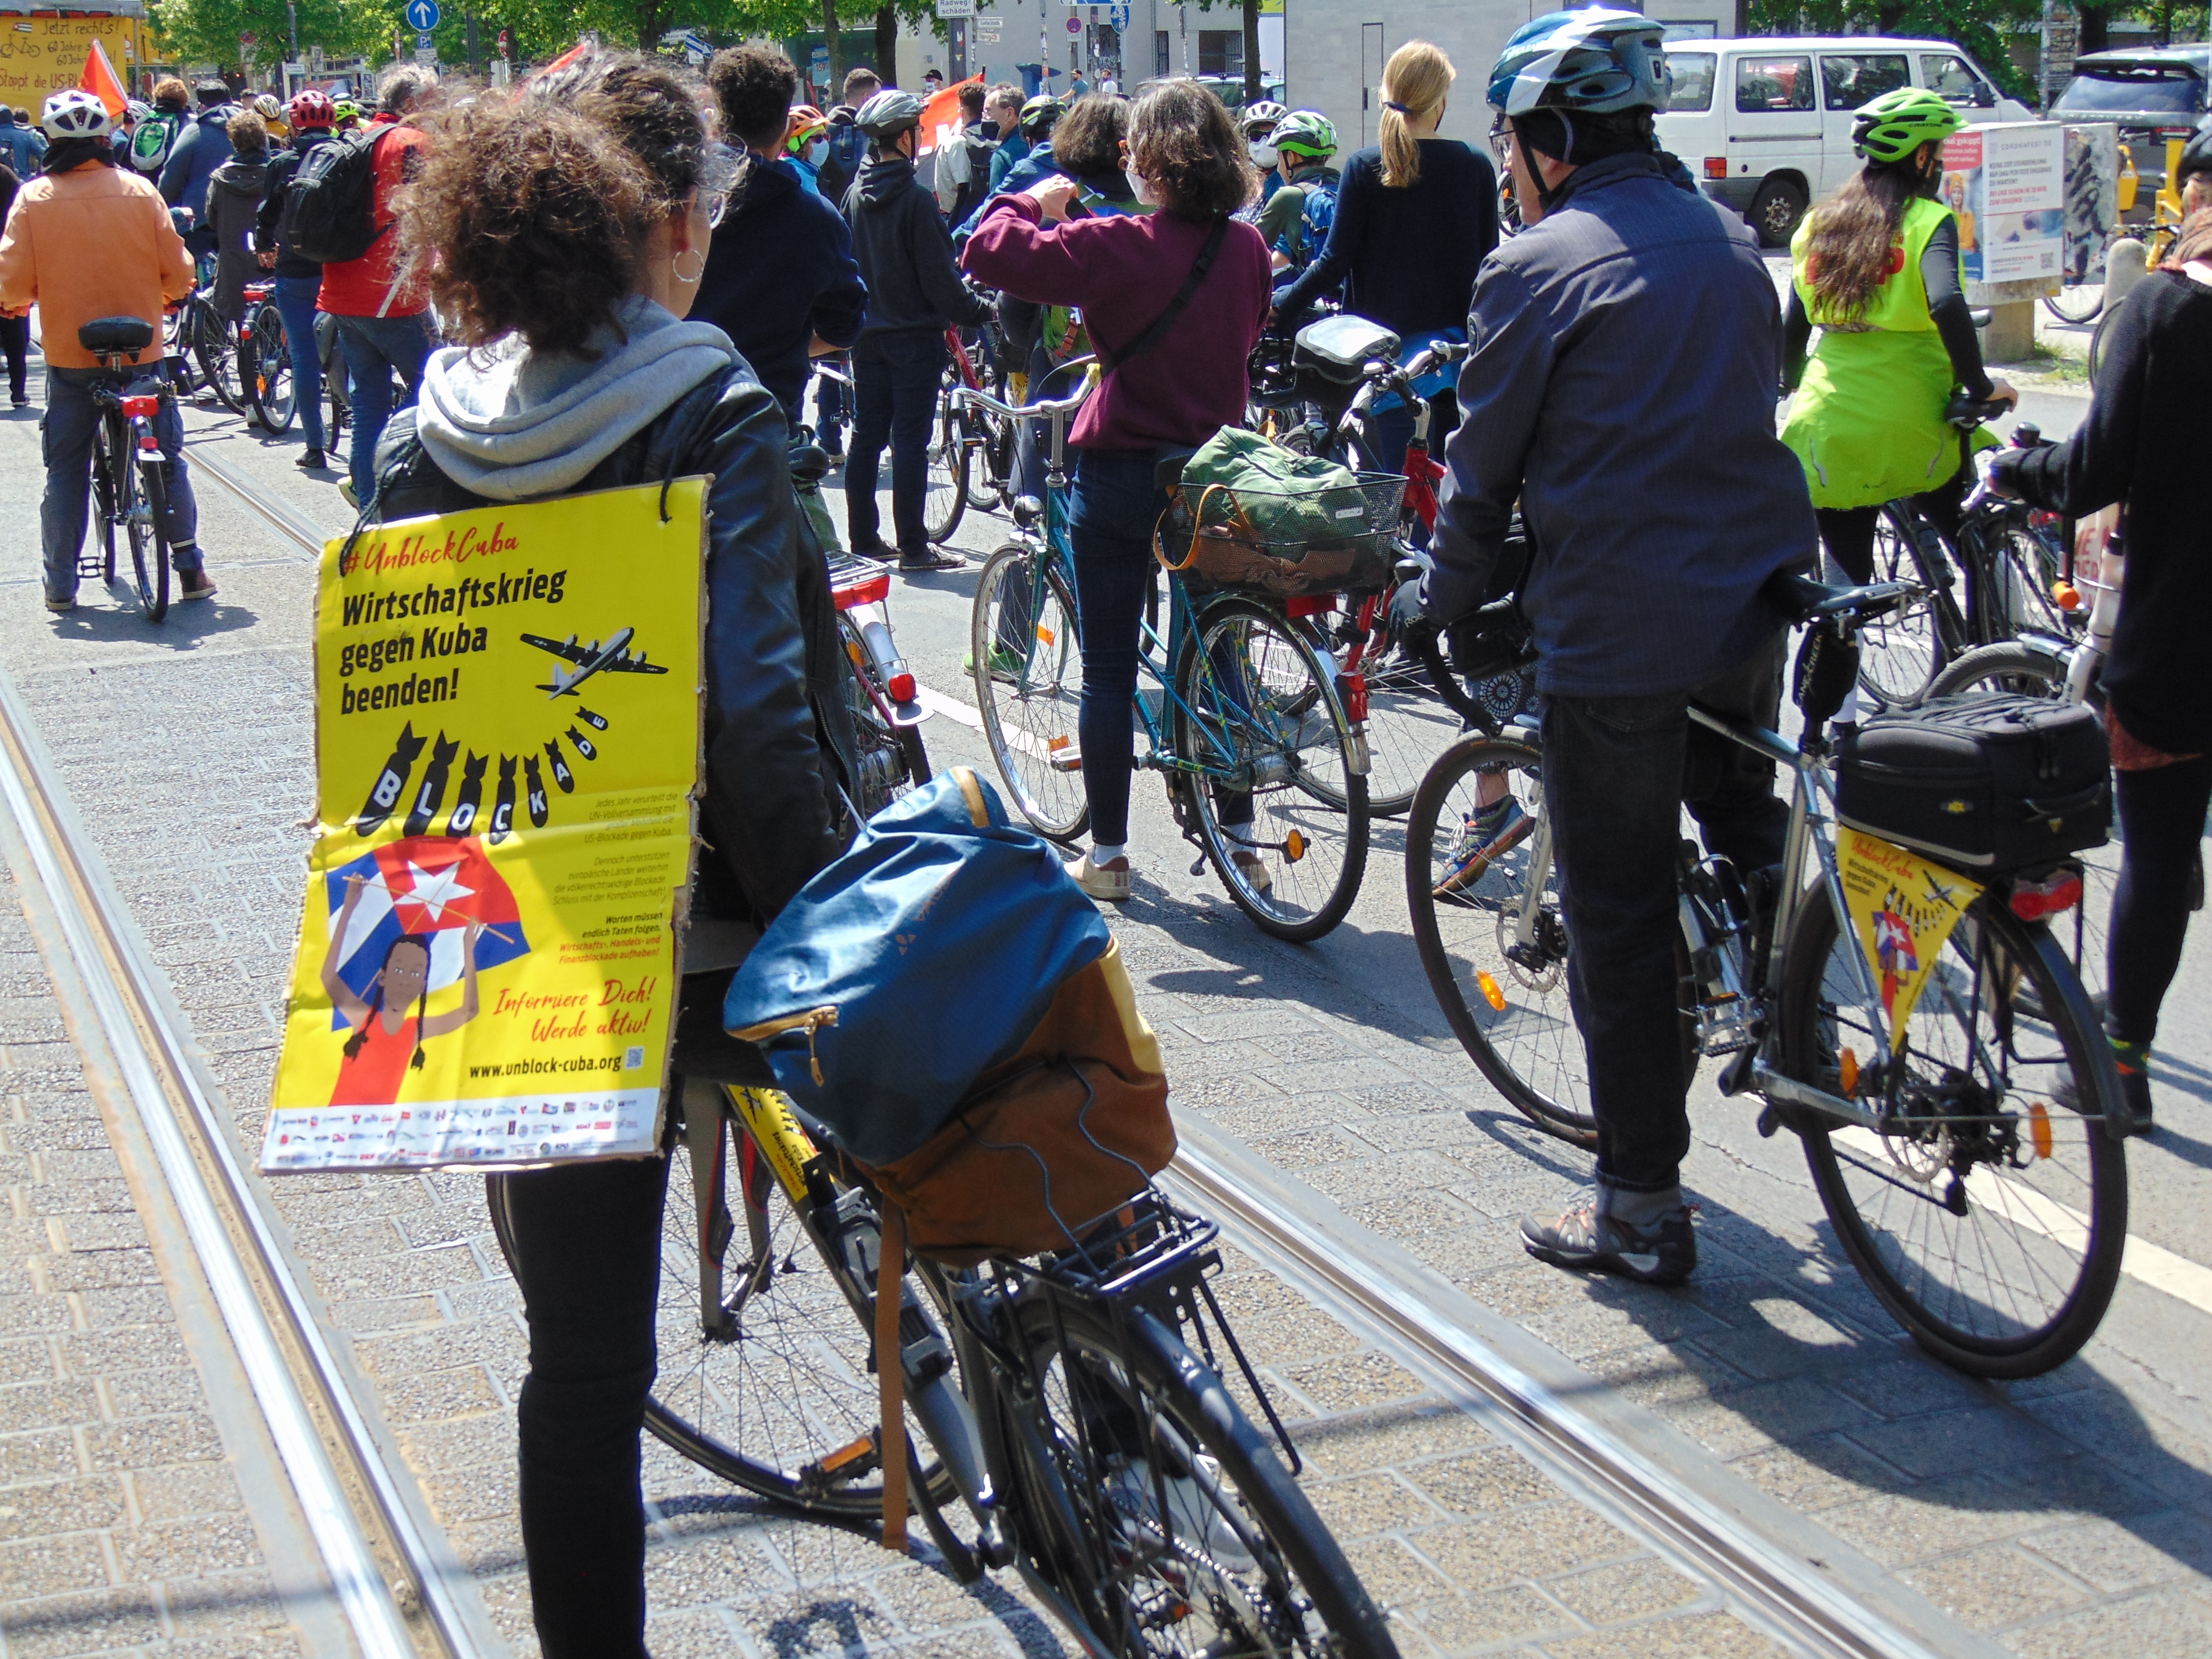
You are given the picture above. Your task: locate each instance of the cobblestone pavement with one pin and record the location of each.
(188, 752)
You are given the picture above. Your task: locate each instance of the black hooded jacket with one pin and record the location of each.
(268, 227)
(905, 254)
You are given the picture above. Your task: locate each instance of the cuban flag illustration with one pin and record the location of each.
(427, 884)
(1893, 946)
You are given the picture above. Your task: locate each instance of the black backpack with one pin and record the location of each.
(330, 207)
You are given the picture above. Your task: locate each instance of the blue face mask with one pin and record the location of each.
(817, 152)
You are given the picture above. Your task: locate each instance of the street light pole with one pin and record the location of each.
(292, 20)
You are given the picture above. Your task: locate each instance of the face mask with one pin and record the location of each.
(989, 128)
(817, 152)
(1263, 153)
(1140, 187)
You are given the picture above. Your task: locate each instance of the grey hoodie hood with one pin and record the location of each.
(509, 424)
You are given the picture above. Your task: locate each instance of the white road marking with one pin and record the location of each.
(2017, 1202)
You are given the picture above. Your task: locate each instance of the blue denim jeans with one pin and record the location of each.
(295, 304)
(895, 382)
(72, 417)
(373, 347)
(1616, 770)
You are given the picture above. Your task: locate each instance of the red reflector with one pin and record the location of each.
(1354, 687)
(1717, 166)
(135, 407)
(1309, 605)
(902, 688)
(868, 592)
(2032, 900)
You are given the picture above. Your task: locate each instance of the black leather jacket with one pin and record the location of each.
(780, 738)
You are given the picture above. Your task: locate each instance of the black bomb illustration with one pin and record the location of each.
(502, 814)
(535, 792)
(471, 796)
(390, 783)
(580, 744)
(562, 774)
(597, 722)
(428, 798)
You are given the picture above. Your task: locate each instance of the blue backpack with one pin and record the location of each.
(1315, 214)
(943, 999)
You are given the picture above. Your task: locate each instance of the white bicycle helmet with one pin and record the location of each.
(1257, 118)
(74, 114)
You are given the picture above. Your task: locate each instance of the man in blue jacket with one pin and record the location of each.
(21, 145)
(780, 281)
(1622, 387)
(199, 150)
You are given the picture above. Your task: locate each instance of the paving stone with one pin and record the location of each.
(85, 1621)
(1710, 1635)
(1354, 1380)
(2162, 1622)
(1402, 1435)
(48, 1406)
(1896, 1528)
(2115, 1558)
(1817, 1473)
(1946, 1443)
(1393, 1575)
(1484, 1483)
(182, 1490)
(89, 1504)
(1370, 1503)
(1745, 1418)
(1625, 1590)
(52, 1566)
(1498, 1549)
(1462, 1623)
(144, 1441)
(48, 1455)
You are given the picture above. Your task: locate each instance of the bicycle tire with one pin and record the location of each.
(2033, 1208)
(944, 496)
(271, 390)
(2097, 343)
(2068, 308)
(149, 541)
(995, 448)
(693, 1413)
(1290, 722)
(1408, 724)
(1901, 653)
(1102, 1545)
(1027, 667)
(892, 759)
(331, 357)
(103, 491)
(213, 351)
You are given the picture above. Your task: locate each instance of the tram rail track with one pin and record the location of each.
(1796, 1595)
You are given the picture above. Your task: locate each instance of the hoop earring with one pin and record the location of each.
(695, 272)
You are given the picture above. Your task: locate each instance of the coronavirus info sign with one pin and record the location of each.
(507, 738)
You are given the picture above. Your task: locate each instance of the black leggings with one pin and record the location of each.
(2162, 821)
(587, 1241)
(1847, 533)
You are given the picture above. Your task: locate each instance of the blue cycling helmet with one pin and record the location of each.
(1591, 61)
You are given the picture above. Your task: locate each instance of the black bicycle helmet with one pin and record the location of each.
(889, 113)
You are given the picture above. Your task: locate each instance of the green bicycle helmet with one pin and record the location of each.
(1895, 124)
(1040, 115)
(1304, 132)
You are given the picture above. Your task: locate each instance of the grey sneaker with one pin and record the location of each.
(1663, 1254)
(1485, 837)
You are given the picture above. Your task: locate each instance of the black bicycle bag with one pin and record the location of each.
(1980, 780)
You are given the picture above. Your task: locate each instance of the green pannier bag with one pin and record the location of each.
(1249, 513)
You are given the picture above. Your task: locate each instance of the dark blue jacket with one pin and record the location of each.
(201, 148)
(21, 148)
(1626, 361)
(779, 271)
(1037, 164)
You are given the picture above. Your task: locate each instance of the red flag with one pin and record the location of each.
(943, 111)
(100, 79)
(567, 58)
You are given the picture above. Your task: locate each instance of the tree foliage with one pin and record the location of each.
(1982, 27)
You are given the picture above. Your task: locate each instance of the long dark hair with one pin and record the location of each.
(1181, 137)
(66, 152)
(421, 942)
(1852, 249)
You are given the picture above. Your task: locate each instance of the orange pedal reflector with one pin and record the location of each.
(1055, 745)
(1850, 1068)
(2039, 1128)
(1490, 993)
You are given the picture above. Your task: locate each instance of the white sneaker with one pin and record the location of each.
(1112, 885)
(1197, 1522)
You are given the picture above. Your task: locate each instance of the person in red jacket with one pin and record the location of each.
(1187, 161)
(384, 321)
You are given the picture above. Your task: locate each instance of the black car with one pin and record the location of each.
(2153, 93)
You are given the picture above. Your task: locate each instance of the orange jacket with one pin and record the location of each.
(95, 241)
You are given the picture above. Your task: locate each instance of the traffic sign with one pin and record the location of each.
(423, 16)
(1119, 13)
(423, 41)
(1075, 25)
(247, 41)
(949, 9)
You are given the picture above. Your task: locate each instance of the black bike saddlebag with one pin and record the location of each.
(1980, 780)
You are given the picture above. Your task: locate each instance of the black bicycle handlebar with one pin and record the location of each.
(1425, 637)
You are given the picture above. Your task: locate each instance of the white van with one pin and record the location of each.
(1765, 124)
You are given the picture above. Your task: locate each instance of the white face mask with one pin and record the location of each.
(817, 152)
(1140, 187)
(1263, 153)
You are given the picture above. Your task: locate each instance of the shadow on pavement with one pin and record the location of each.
(122, 622)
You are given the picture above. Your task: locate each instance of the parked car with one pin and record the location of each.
(2153, 93)
(1765, 124)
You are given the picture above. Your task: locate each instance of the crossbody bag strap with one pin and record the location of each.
(1110, 360)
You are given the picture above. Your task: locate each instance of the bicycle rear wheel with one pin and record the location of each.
(1261, 715)
(946, 495)
(215, 354)
(1028, 669)
(1900, 653)
(106, 510)
(1988, 1215)
(892, 759)
(144, 508)
(1156, 1509)
(2079, 302)
(269, 386)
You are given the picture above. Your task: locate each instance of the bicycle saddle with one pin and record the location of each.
(809, 462)
(1802, 599)
(107, 334)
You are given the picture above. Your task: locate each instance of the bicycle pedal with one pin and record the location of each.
(1198, 864)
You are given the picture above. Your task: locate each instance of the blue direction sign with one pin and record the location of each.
(423, 16)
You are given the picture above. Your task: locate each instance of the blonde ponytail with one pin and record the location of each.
(1417, 79)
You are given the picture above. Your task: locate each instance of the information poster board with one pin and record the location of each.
(507, 742)
(2006, 183)
(40, 56)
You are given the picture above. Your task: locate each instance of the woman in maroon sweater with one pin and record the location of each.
(1186, 161)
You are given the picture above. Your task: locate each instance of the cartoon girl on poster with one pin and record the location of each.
(391, 1026)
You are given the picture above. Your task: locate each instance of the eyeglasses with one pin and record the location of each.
(719, 166)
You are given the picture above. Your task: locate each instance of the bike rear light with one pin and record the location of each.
(1309, 605)
(1717, 166)
(901, 687)
(2061, 890)
(148, 444)
(137, 408)
(868, 592)
(1354, 687)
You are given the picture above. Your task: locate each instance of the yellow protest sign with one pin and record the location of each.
(1902, 910)
(507, 740)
